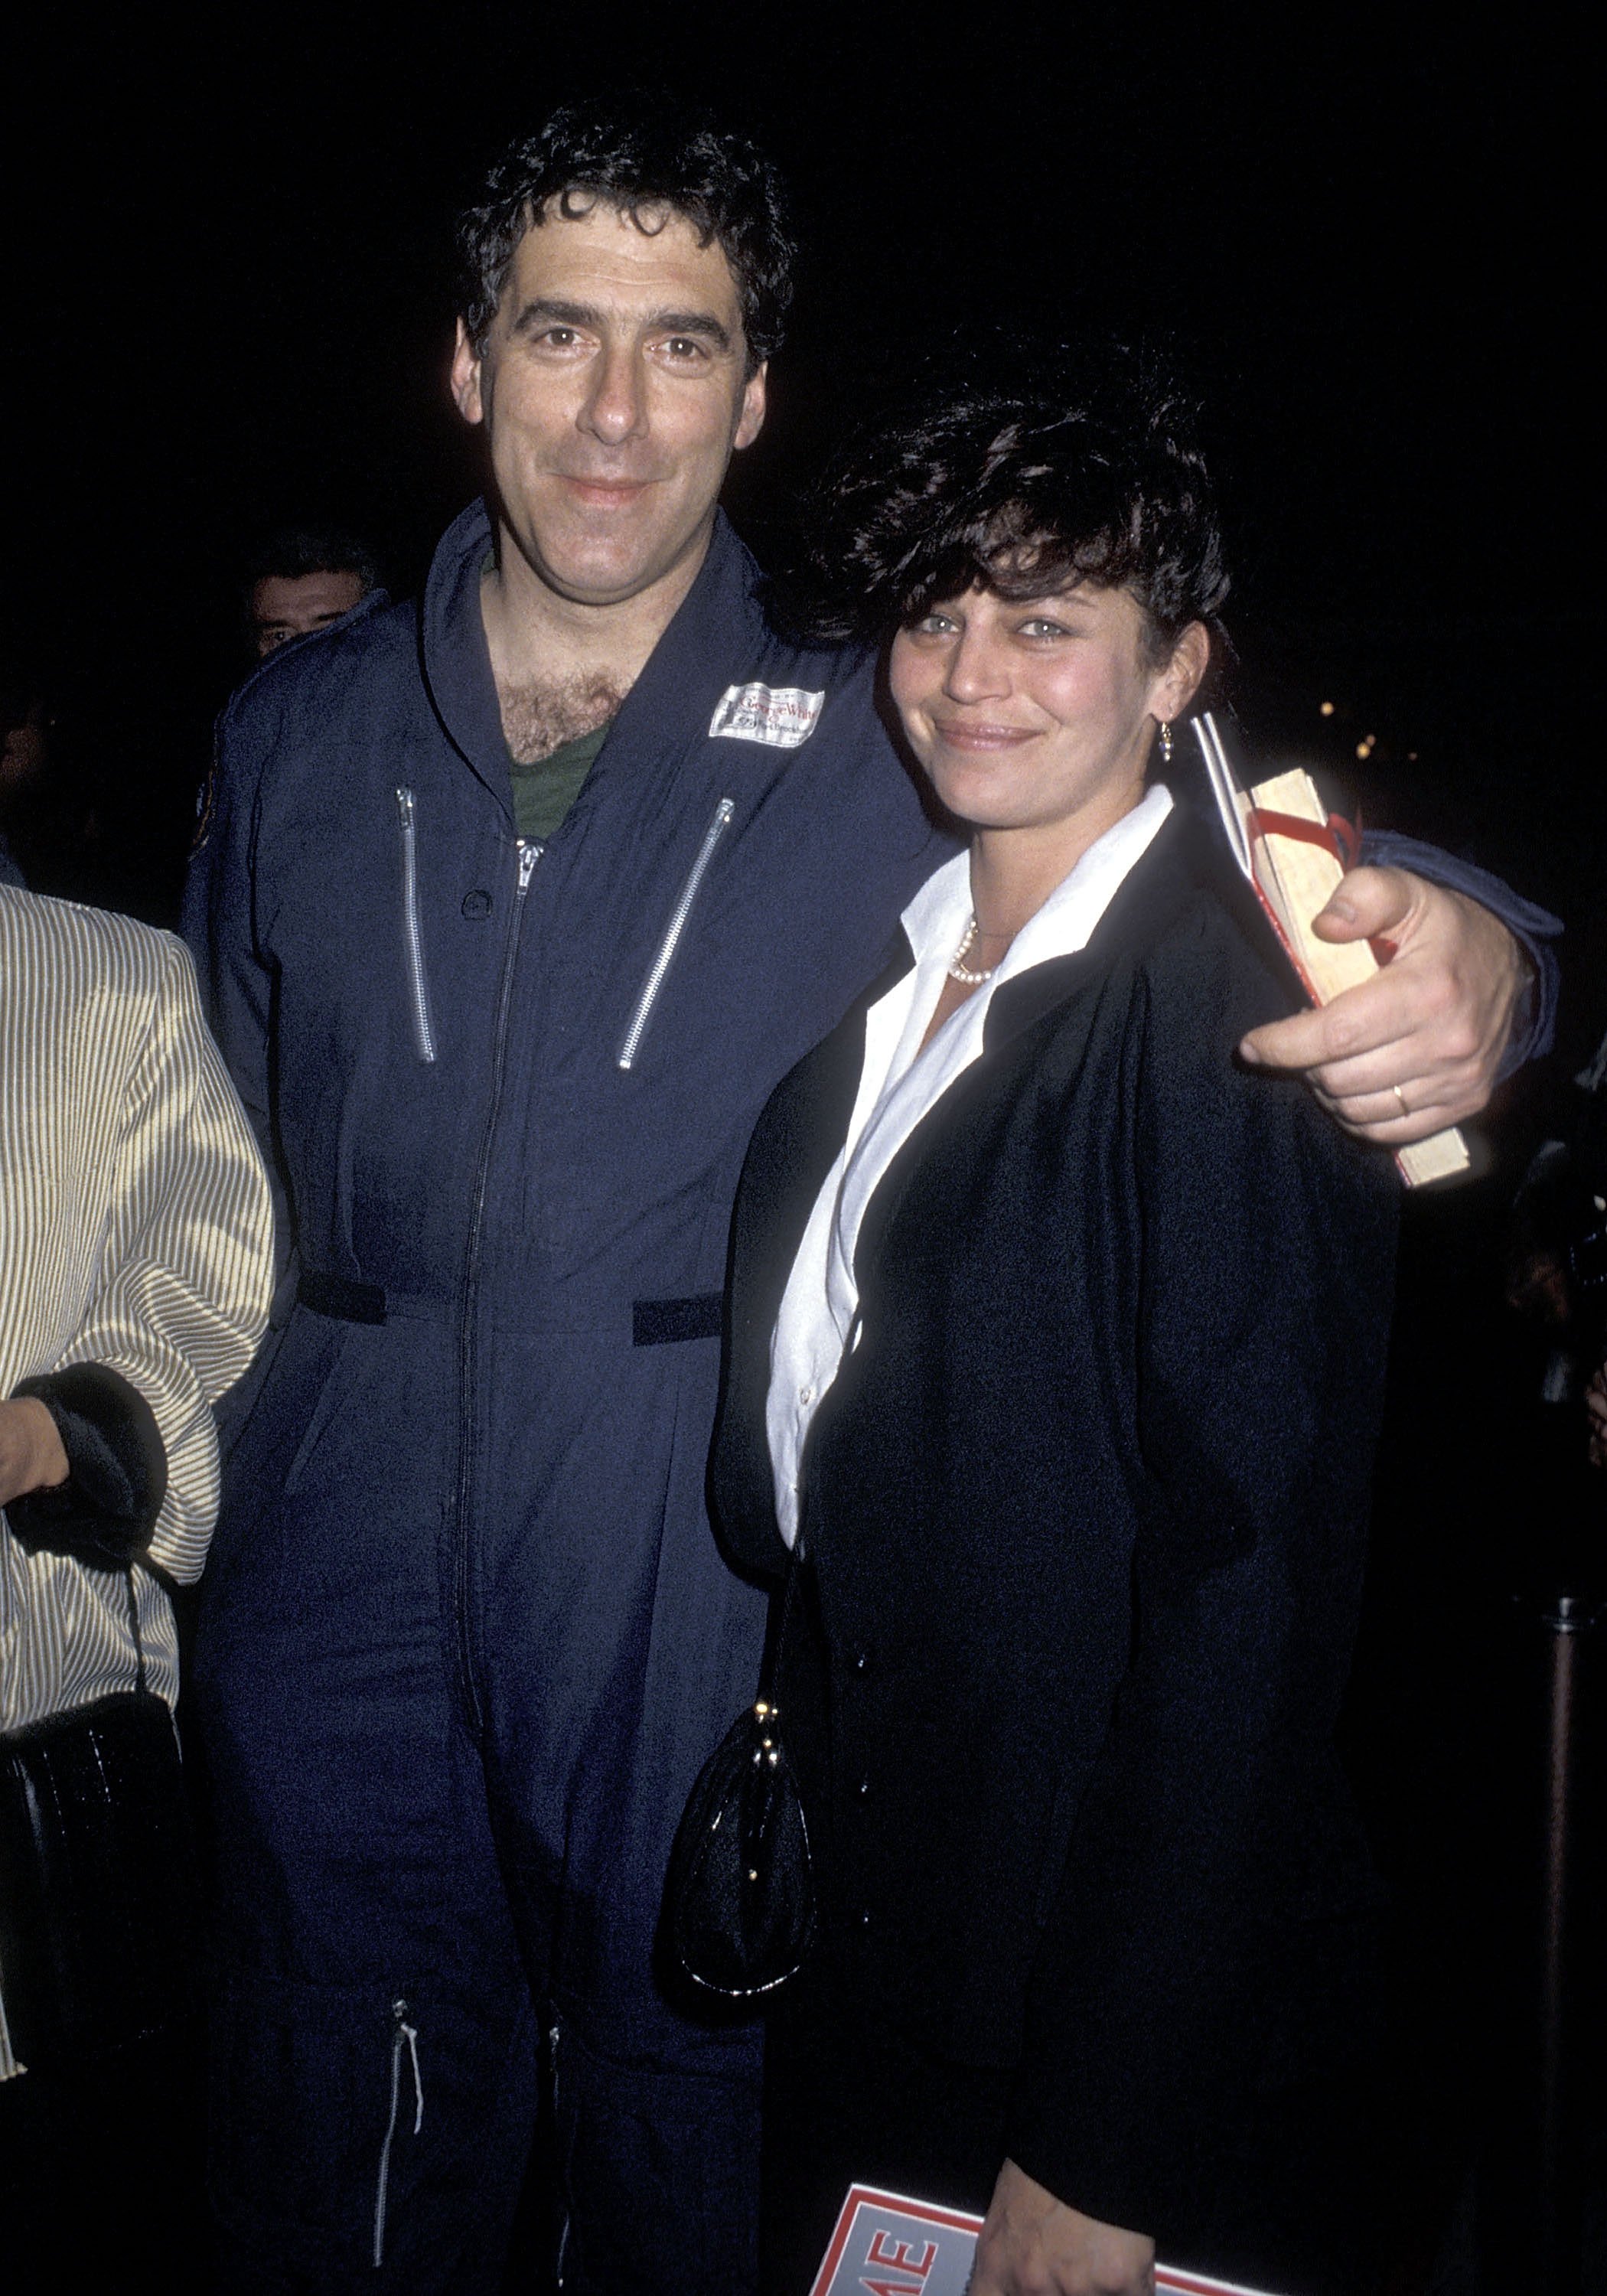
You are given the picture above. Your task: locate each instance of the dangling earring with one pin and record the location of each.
(1166, 741)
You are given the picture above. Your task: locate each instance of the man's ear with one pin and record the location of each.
(751, 422)
(466, 393)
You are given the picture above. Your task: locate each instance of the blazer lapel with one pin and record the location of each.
(1142, 904)
(804, 1124)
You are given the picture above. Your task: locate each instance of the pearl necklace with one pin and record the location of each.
(956, 969)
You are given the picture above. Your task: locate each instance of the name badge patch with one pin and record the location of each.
(779, 716)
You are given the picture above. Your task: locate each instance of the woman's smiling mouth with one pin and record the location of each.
(979, 734)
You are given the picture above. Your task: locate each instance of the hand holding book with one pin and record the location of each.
(1294, 854)
(1029, 2239)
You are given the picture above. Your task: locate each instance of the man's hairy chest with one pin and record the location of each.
(541, 717)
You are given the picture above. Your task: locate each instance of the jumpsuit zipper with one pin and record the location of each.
(672, 932)
(563, 2236)
(529, 853)
(424, 1029)
(402, 2035)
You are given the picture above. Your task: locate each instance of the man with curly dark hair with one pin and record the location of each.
(512, 907)
(645, 159)
(486, 910)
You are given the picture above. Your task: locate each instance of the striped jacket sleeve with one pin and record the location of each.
(185, 1265)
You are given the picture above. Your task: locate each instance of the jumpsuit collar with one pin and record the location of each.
(719, 620)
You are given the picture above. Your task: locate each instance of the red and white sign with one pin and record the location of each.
(887, 2245)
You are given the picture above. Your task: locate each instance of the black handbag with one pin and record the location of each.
(99, 1912)
(739, 1902)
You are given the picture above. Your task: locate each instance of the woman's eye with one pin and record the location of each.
(1040, 626)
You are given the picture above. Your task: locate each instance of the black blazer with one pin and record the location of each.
(1086, 1510)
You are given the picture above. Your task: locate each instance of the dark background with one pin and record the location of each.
(227, 285)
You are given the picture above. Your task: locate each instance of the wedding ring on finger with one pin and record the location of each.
(1401, 1099)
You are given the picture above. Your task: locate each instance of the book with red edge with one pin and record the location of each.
(886, 2244)
(1293, 853)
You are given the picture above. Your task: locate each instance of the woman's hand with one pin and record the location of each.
(31, 1457)
(1416, 1048)
(1034, 2245)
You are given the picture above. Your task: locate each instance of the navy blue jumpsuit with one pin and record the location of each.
(466, 1636)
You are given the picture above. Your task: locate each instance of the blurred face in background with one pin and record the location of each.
(285, 606)
(24, 751)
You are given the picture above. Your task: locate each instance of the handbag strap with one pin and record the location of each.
(771, 1666)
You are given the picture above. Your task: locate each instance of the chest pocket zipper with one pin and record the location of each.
(723, 811)
(423, 1028)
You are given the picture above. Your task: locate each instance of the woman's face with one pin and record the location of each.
(1033, 713)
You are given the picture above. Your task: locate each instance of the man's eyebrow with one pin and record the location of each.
(552, 311)
(548, 310)
(691, 322)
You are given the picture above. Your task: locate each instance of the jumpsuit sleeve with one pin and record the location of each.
(218, 923)
(180, 1302)
(1215, 1828)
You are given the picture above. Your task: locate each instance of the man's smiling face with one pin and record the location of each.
(613, 384)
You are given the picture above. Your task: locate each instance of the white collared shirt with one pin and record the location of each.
(897, 1084)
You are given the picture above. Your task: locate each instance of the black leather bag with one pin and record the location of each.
(98, 1896)
(739, 1903)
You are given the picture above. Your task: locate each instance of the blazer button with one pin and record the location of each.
(861, 1662)
(476, 904)
(863, 1788)
(862, 1919)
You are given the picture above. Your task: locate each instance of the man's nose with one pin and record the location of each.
(616, 406)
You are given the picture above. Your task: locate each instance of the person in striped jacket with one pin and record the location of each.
(136, 1270)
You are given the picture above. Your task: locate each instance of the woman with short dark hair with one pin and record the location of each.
(1057, 1353)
